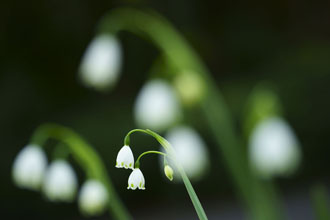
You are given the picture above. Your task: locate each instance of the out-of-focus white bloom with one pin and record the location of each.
(274, 149)
(29, 167)
(93, 197)
(190, 150)
(60, 183)
(125, 158)
(136, 180)
(168, 172)
(190, 87)
(157, 106)
(101, 63)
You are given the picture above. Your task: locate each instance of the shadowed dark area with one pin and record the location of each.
(241, 42)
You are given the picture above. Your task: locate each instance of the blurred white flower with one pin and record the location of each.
(125, 158)
(29, 167)
(274, 148)
(101, 63)
(93, 197)
(60, 183)
(136, 180)
(190, 150)
(157, 106)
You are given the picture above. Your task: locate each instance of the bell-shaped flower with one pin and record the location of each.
(274, 148)
(125, 158)
(60, 183)
(29, 167)
(190, 150)
(157, 106)
(101, 63)
(136, 180)
(93, 198)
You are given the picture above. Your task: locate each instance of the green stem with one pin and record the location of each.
(86, 157)
(169, 149)
(137, 163)
(259, 197)
(320, 200)
(127, 137)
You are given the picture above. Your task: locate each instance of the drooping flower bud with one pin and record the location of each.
(190, 86)
(168, 172)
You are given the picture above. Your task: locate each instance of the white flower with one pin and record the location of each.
(274, 149)
(190, 150)
(136, 180)
(93, 197)
(157, 106)
(29, 167)
(60, 183)
(101, 63)
(125, 158)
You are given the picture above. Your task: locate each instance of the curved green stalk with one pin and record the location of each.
(137, 162)
(86, 157)
(260, 197)
(170, 151)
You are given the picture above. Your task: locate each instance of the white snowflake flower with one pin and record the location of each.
(190, 150)
(29, 167)
(60, 183)
(93, 197)
(157, 107)
(125, 158)
(101, 63)
(274, 148)
(136, 180)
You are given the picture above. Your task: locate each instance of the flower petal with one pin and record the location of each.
(136, 180)
(125, 158)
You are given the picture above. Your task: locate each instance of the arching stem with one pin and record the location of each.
(259, 196)
(170, 151)
(86, 157)
(137, 163)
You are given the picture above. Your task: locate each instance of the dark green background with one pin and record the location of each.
(242, 43)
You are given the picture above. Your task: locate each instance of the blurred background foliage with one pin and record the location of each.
(242, 43)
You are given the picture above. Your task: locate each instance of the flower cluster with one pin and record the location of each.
(57, 181)
(125, 159)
